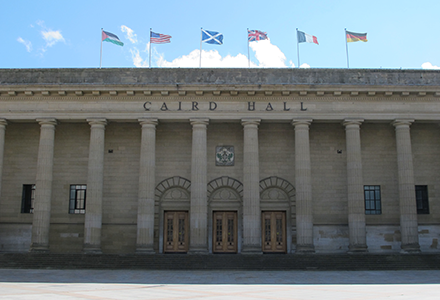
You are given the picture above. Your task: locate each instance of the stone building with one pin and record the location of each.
(219, 160)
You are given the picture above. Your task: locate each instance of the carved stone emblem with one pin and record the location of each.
(224, 156)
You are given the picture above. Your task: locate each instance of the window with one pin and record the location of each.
(27, 199)
(372, 200)
(77, 203)
(422, 199)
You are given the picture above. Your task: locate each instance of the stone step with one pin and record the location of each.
(222, 261)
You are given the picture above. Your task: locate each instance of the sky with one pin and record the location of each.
(67, 34)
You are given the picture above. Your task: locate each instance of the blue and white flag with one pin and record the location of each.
(212, 37)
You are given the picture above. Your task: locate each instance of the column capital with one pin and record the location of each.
(201, 121)
(248, 122)
(402, 122)
(305, 121)
(351, 122)
(97, 121)
(47, 121)
(148, 121)
(3, 122)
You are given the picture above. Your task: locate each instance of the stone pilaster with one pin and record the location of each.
(251, 188)
(199, 197)
(407, 194)
(43, 186)
(355, 190)
(95, 178)
(147, 183)
(303, 182)
(3, 124)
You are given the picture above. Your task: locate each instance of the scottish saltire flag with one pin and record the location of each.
(212, 37)
(112, 38)
(157, 38)
(256, 35)
(307, 38)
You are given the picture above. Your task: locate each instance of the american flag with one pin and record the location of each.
(256, 35)
(157, 38)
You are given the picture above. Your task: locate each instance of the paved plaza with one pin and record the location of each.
(134, 284)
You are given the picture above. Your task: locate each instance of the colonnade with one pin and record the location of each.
(198, 204)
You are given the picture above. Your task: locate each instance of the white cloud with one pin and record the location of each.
(305, 66)
(428, 65)
(129, 34)
(268, 56)
(137, 59)
(52, 37)
(27, 44)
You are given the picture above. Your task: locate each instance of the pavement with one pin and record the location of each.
(139, 284)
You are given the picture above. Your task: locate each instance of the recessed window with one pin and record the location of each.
(422, 199)
(77, 202)
(27, 198)
(372, 200)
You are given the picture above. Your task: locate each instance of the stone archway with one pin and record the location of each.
(172, 194)
(277, 194)
(225, 194)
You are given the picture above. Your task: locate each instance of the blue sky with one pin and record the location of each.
(64, 34)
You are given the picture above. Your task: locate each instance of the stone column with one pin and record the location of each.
(199, 197)
(355, 190)
(407, 194)
(43, 186)
(95, 178)
(3, 124)
(251, 188)
(303, 182)
(147, 183)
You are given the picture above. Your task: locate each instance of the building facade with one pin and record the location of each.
(219, 160)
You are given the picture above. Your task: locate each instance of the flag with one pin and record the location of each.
(355, 37)
(212, 37)
(112, 38)
(256, 35)
(307, 38)
(157, 38)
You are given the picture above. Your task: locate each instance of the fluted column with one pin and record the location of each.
(199, 196)
(95, 178)
(147, 176)
(355, 191)
(251, 188)
(43, 186)
(407, 194)
(303, 182)
(3, 124)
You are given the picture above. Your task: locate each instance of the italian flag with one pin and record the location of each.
(112, 38)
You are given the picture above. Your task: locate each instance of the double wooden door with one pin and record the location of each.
(176, 231)
(224, 232)
(274, 231)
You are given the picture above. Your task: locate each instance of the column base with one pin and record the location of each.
(39, 248)
(305, 249)
(92, 249)
(251, 249)
(354, 249)
(198, 251)
(410, 248)
(146, 251)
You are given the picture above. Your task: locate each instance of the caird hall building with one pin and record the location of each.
(219, 160)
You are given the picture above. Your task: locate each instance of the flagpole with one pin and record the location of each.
(100, 56)
(249, 61)
(149, 55)
(201, 35)
(297, 45)
(346, 48)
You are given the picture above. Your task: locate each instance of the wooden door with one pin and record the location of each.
(176, 231)
(274, 231)
(224, 232)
